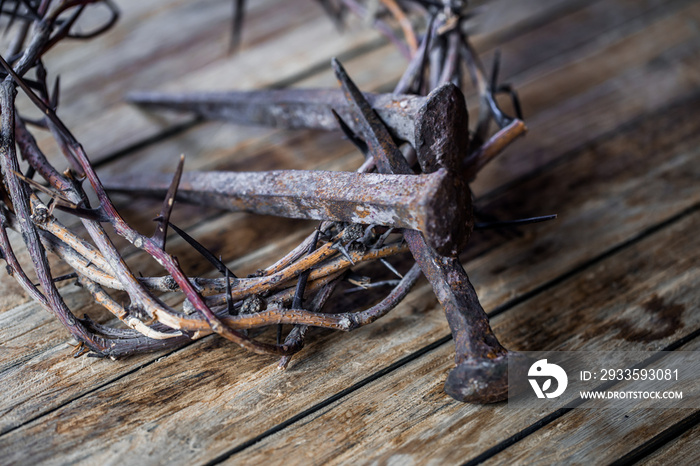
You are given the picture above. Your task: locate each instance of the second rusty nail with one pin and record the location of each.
(434, 203)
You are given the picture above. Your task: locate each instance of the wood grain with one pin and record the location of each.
(197, 59)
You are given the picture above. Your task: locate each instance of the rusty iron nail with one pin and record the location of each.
(433, 203)
(481, 368)
(435, 125)
(287, 108)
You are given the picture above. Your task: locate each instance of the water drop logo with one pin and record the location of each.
(546, 372)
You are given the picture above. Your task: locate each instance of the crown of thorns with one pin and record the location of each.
(411, 194)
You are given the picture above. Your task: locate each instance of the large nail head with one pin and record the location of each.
(442, 130)
(450, 219)
(482, 380)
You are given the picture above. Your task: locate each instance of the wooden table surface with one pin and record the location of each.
(611, 96)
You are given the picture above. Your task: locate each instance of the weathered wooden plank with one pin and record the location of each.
(592, 106)
(149, 49)
(588, 28)
(403, 417)
(160, 41)
(205, 362)
(325, 368)
(544, 126)
(685, 449)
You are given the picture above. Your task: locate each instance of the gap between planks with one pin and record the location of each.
(668, 446)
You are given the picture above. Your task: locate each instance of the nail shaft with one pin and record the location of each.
(287, 108)
(420, 202)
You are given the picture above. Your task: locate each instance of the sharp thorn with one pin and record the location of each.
(507, 89)
(495, 68)
(80, 350)
(382, 239)
(44, 189)
(352, 137)
(344, 252)
(220, 266)
(162, 229)
(40, 104)
(390, 267)
(67, 276)
(372, 285)
(511, 223)
(229, 297)
(55, 93)
(97, 215)
(237, 26)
